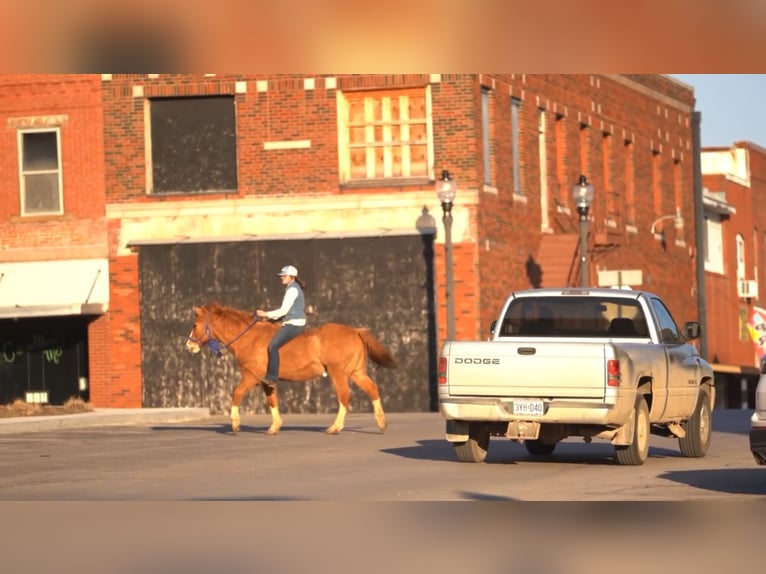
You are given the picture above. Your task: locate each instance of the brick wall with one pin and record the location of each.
(509, 231)
(72, 102)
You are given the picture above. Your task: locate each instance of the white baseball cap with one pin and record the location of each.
(288, 270)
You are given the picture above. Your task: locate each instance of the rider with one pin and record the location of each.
(292, 315)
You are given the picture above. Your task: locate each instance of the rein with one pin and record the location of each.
(214, 344)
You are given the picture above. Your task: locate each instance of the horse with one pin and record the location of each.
(332, 349)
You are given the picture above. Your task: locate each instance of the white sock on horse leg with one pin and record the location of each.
(234, 412)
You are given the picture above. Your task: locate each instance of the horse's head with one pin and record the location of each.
(200, 334)
(218, 327)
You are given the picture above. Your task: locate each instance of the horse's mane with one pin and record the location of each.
(228, 314)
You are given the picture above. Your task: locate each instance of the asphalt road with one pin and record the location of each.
(203, 461)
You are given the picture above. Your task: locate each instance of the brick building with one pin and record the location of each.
(54, 273)
(212, 183)
(735, 267)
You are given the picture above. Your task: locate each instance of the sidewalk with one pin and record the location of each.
(102, 417)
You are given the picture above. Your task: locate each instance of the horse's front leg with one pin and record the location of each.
(248, 382)
(271, 397)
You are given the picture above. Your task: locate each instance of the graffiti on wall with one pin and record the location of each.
(51, 350)
(43, 354)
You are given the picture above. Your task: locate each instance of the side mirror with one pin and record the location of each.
(692, 330)
(492, 327)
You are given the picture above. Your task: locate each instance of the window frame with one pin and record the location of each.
(344, 140)
(22, 173)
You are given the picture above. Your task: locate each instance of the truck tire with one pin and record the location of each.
(698, 428)
(635, 454)
(539, 448)
(475, 448)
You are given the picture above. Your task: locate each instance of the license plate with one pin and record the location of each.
(533, 407)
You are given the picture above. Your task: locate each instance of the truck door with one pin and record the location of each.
(682, 367)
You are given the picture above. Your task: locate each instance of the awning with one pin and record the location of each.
(46, 288)
(734, 369)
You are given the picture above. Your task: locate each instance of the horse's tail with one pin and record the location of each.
(376, 351)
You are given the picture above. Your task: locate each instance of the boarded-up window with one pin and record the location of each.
(193, 144)
(385, 135)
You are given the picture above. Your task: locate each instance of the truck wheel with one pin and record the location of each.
(635, 454)
(475, 448)
(698, 428)
(538, 448)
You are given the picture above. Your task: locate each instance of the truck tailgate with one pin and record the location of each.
(527, 369)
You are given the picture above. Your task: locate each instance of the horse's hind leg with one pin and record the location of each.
(276, 419)
(364, 382)
(340, 382)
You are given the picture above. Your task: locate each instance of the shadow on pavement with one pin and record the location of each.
(508, 452)
(750, 481)
(225, 429)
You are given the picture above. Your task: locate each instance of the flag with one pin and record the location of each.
(756, 326)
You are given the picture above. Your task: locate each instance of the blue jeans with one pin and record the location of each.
(285, 333)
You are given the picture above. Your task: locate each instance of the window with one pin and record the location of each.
(485, 136)
(713, 244)
(740, 257)
(630, 182)
(669, 332)
(574, 317)
(657, 181)
(584, 151)
(515, 127)
(563, 190)
(193, 144)
(385, 135)
(41, 183)
(543, 161)
(613, 199)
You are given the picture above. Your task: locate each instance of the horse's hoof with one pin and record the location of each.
(383, 428)
(272, 431)
(332, 430)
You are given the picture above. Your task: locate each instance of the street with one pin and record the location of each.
(410, 462)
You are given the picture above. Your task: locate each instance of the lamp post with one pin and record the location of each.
(582, 192)
(445, 191)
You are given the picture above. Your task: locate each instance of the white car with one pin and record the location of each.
(758, 420)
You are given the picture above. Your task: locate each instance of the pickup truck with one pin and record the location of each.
(598, 363)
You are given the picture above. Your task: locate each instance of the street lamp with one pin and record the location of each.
(446, 188)
(582, 192)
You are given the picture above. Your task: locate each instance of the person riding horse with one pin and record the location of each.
(292, 315)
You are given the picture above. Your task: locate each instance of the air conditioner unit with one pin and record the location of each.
(747, 289)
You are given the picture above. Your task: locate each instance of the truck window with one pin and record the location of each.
(574, 317)
(669, 332)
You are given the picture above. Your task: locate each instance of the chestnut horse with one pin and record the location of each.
(332, 349)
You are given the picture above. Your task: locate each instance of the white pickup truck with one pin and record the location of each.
(605, 363)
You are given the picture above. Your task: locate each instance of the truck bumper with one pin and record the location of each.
(562, 412)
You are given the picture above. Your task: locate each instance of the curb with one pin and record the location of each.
(102, 417)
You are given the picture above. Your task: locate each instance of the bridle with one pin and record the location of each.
(216, 346)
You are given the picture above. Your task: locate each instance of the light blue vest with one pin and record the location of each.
(298, 310)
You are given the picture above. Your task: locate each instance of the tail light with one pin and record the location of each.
(613, 375)
(442, 370)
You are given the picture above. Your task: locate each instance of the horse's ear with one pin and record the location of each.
(197, 311)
